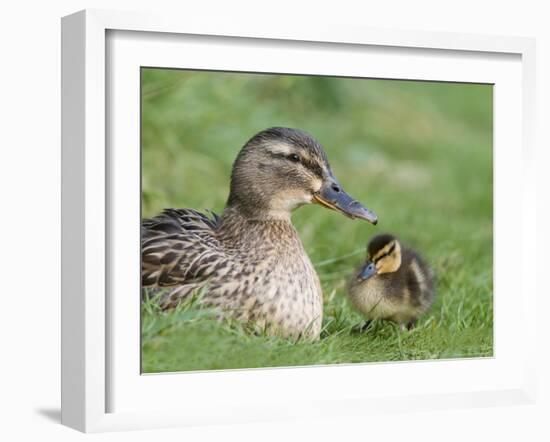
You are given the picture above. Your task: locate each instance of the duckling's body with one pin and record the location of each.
(250, 261)
(394, 284)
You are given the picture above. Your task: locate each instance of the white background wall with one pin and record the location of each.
(30, 220)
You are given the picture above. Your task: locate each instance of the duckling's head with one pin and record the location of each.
(280, 169)
(383, 256)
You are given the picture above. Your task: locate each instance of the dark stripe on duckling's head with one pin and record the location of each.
(388, 253)
(378, 243)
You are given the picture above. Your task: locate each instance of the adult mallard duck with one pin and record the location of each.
(250, 261)
(394, 283)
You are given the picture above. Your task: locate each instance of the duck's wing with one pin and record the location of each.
(179, 249)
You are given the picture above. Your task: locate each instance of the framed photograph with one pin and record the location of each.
(272, 222)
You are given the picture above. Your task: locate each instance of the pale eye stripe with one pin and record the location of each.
(280, 149)
(283, 150)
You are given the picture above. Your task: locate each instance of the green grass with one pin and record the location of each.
(418, 153)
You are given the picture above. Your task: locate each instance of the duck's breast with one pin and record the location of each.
(274, 284)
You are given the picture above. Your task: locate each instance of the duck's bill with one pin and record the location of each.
(335, 198)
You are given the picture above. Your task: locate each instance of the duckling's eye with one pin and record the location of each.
(294, 158)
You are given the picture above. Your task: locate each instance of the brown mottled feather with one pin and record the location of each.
(257, 270)
(177, 248)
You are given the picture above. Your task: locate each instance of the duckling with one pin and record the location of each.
(250, 262)
(394, 283)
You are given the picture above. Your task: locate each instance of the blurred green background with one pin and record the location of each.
(417, 153)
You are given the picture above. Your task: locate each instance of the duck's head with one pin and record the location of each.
(280, 169)
(383, 256)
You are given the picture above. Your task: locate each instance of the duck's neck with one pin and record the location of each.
(255, 213)
(238, 227)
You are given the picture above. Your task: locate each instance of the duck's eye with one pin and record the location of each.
(294, 158)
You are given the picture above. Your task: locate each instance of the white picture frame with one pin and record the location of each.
(92, 341)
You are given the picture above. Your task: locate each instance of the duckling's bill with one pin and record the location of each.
(368, 270)
(332, 195)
